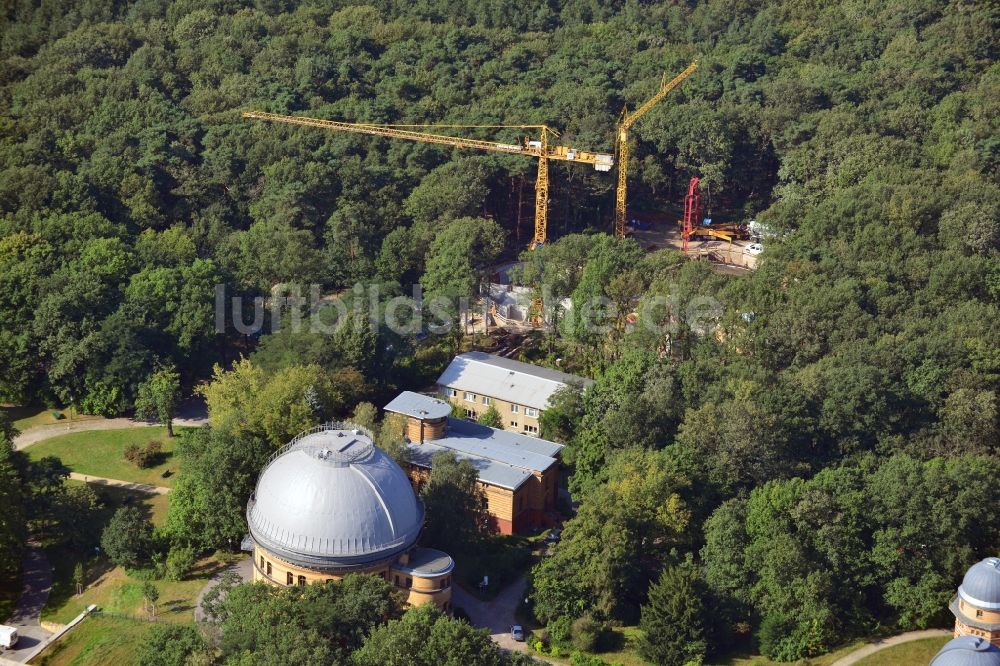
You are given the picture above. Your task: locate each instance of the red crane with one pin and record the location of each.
(692, 210)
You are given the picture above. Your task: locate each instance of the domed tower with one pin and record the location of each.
(331, 503)
(977, 604)
(967, 651)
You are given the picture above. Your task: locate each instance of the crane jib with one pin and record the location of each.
(601, 161)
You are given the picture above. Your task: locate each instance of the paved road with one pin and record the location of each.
(882, 644)
(118, 483)
(37, 582)
(192, 418)
(496, 615)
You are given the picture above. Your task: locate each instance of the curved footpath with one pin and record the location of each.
(39, 433)
(884, 643)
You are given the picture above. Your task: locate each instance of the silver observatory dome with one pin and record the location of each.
(332, 500)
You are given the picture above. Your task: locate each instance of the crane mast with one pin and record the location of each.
(627, 120)
(539, 149)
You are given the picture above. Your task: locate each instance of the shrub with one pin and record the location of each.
(585, 633)
(169, 645)
(578, 658)
(560, 629)
(180, 561)
(133, 453)
(146, 456)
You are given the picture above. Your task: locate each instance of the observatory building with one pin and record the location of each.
(977, 605)
(330, 503)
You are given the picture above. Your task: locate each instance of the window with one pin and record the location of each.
(409, 583)
(396, 580)
(530, 428)
(302, 581)
(469, 397)
(979, 613)
(513, 408)
(289, 578)
(443, 583)
(268, 569)
(513, 424)
(453, 393)
(487, 400)
(261, 562)
(470, 413)
(531, 411)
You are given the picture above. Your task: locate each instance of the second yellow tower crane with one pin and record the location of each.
(628, 119)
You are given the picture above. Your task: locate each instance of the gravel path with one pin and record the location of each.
(40, 433)
(37, 583)
(882, 644)
(118, 483)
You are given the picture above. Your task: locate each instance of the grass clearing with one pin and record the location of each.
(117, 592)
(626, 654)
(98, 641)
(821, 660)
(64, 559)
(906, 654)
(102, 453)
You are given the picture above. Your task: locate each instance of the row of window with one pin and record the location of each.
(486, 400)
(408, 582)
(291, 580)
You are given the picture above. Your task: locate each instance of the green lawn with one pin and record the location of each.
(29, 417)
(102, 453)
(907, 654)
(114, 591)
(627, 655)
(98, 641)
(61, 606)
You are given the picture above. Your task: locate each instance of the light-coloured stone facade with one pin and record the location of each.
(973, 621)
(514, 417)
(418, 587)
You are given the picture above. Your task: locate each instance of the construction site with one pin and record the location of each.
(730, 247)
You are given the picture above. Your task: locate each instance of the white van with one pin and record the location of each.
(8, 637)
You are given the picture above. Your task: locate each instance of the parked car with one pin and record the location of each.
(754, 248)
(8, 637)
(517, 632)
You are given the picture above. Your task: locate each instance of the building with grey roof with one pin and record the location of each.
(331, 503)
(967, 651)
(977, 605)
(518, 473)
(520, 392)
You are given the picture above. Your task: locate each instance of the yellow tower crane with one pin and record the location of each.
(539, 149)
(627, 120)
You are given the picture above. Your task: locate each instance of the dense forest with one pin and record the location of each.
(809, 461)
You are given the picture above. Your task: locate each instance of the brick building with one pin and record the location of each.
(518, 473)
(474, 381)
